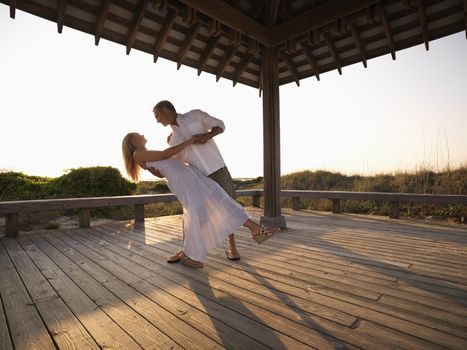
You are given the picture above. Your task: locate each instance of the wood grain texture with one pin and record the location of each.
(327, 281)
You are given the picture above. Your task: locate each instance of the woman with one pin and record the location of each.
(210, 215)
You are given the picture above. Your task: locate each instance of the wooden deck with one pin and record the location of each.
(328, 281)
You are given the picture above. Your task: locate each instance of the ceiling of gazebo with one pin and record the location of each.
(225, 38)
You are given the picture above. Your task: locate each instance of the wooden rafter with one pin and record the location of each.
(315, 18)
(311, 58)
(134, 27)
(164, 33)
(207, 52)
(241, 68)
(423, 23)
(12, 8)
(272, 10)
(465, 17)
(387, 31)
(290, 65)
(190, 37)
(333, 51)
(61, 14)
(101, 20)
(226, 14)
(225, 62)
(358, 42)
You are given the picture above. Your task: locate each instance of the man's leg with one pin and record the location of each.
(224, 179)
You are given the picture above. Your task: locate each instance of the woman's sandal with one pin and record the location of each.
(185, 260)
(265, 233)
(174, 258)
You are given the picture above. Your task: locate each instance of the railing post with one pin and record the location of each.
(394, 210)
(139, 212)
(255, 201)
(336, 206)
(11, 224)
(296, 203)
(85, 218)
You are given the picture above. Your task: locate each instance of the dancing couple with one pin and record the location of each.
(196, 173)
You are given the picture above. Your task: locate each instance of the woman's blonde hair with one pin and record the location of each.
(132, 168)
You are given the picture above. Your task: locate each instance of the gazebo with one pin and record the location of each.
(262, 44)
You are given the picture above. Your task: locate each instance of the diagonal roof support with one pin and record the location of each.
(12, 8)
(423, 23)
(207, 52)
(311, 58)
(288, 62)
(333, 51)
(164, 33)
(225, 61)
(61, 14)
(134, 27)
(104, 9)
(358, 42)
(190, 37)
(241, 67)
(387, 31)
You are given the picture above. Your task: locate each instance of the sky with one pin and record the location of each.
(65, 103)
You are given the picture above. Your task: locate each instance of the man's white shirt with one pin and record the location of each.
(205, 157)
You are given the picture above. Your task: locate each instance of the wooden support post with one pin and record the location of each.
(296, 203)
(394, 210)
(85, 218)
(256, 201)
(11, 224)
(336, 206)
(271, 138)
(139, 212)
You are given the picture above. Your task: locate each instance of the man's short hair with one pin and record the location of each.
(164, 104)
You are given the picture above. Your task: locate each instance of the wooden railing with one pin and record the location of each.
(11, 209)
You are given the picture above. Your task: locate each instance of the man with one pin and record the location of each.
(204, 155)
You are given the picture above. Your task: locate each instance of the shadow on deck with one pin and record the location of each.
(327, 281)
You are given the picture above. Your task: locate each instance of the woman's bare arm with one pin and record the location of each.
(141, 156)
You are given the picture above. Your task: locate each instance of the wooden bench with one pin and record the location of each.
(394, 199)
(11, 209)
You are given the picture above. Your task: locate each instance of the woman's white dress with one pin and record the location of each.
(210, 214)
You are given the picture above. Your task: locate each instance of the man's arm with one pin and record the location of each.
(216, 126)
(153, 171)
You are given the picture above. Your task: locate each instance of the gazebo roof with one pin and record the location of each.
(226, 38)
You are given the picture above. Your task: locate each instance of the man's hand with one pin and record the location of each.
(155, 172)
(202, 138)
(168, 138)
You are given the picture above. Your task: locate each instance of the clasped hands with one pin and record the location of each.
(200, 138)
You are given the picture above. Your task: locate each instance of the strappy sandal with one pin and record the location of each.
(174, 258)
(265, 233)
(185, 260)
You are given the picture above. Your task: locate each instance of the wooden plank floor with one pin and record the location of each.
(326, 282)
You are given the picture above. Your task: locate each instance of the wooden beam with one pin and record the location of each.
(101, 20)
(226, 14)
(134, 27)
(290, 65)
(423, 23)
(225, 62)
(465, 17)
(207, 52)
(311, 58)
(271, 139)
(333, 51)
(164, 33)
(12, 8)
(387, 31)
(272, 10)
(315, 18)
(358, 42)
(241, 67)
(61, 14)
(189, 38)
